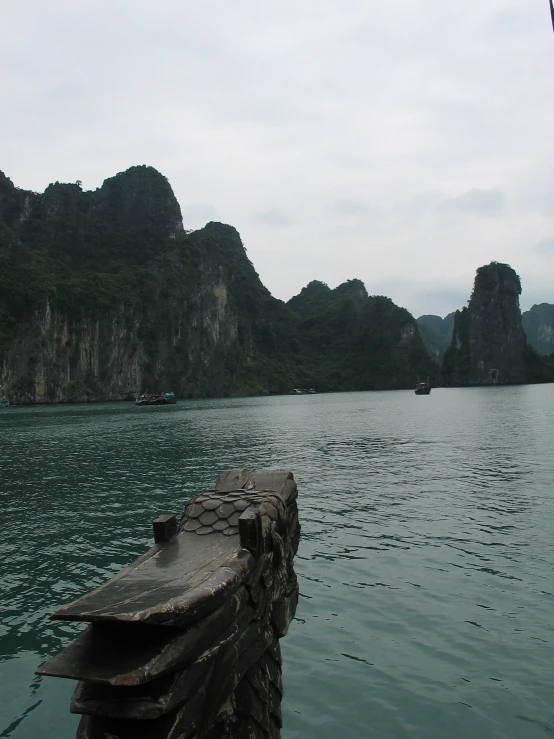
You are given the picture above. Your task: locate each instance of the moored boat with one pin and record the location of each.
(156, 399)
(422, 388)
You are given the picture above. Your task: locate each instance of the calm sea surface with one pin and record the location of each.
(426, 564)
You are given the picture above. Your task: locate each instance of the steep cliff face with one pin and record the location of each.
(488, 342)
(56, 358)
(187, 342)
(538, 324)
(103, 295)
(187, 328)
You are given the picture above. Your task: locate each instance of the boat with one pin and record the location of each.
(156, 399)
(303, 391)
(173, 637)
(4, 403)
(422, 388)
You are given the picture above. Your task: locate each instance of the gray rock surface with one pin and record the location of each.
(489, 346)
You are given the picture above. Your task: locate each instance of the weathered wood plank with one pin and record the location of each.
(156, 698)
(181, 724)
(251, 644)
(234, 479)
(182, 644)
(134, 654)
(275, 480)
(178, 582)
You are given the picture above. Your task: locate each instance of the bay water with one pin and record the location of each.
(426, 564)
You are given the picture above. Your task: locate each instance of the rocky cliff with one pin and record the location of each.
(489, 346)
(103, 295)
(359, 342)
(538, 324)
(436, 333)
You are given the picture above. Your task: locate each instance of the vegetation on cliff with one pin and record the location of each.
(538, 324)
(81, 251)
(103, 294)
(436, 333)
(489, 346)
(358, 342)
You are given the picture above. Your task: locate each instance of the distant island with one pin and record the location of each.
(538, 326)
(104, 295)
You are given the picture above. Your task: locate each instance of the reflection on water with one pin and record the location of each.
(425, 563)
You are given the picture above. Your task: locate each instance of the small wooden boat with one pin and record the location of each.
(156, 399)
(422, 388)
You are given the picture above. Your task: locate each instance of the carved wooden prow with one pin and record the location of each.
(184, 643)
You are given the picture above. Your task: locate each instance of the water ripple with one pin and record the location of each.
(425, 564)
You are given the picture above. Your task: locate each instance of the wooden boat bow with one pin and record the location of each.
(173, 637)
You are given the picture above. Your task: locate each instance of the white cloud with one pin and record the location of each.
(358, 120)
(196, 215)
(476, 201)
(272, 217)
(545, 246)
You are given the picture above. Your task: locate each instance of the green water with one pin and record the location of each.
(425, 566)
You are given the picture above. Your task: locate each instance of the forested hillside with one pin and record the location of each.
(357, 342)
(538, 324)
(436, 333)
(103, 295)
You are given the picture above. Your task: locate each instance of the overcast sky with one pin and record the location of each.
(402, 142)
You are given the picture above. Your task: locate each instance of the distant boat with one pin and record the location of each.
(4, 403)
(303, 391)
(422, 388)
(156, 399)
